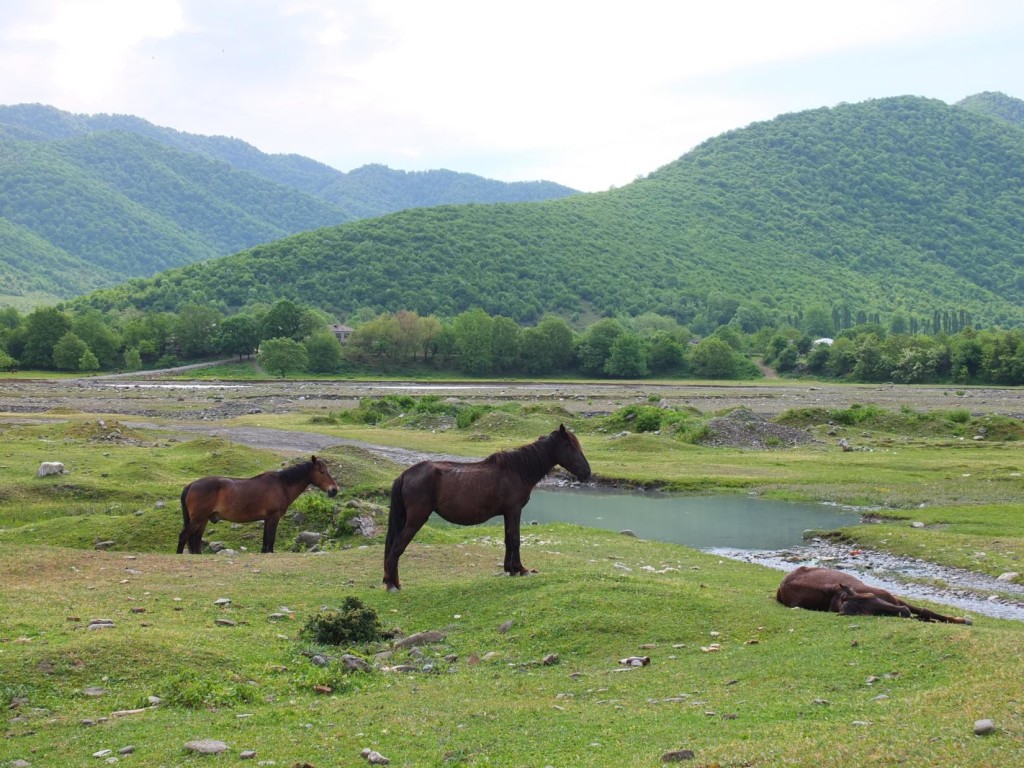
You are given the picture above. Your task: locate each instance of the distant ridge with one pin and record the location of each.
(902, 204)
(86, 201)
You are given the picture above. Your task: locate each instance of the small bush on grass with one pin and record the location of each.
(353, 624)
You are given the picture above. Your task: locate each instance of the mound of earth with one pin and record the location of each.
(742, 428)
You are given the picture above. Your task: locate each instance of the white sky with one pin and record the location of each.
(586, 93)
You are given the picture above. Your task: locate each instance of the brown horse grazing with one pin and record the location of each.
(468, 493)
(264, 497)
(822, 589)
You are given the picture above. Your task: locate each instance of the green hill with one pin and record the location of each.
(903, 204)
(111, 196)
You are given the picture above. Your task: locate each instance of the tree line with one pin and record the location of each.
(288, 338)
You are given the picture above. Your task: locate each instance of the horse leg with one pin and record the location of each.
(270, 532)
(193, 534)
(513, 564)
(413, 522)
(923, 614)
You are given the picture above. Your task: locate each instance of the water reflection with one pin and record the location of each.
(739, 522)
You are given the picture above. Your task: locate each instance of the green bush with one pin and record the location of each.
(354, 623)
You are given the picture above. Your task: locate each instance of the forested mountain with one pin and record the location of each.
(86, 201)
(901, 204)
(996, 104)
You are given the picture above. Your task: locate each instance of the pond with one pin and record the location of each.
(702, 522)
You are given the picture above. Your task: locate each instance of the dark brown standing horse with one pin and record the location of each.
(468, 493)
(264, 497)
(823, 589)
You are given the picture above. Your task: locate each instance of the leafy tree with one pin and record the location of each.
(238, 335)
(6, 361)
(282, 356)
(88, 361)
(712, 358)
(627, 357)
(323, 351)
(68, 351)
(92, 328)
(44, 327)
(505, 334)
(284, 320)
(817, 322)
(195, 330)
(595, 346)
(472, 336)
(665, 354)
(549, 347)
(132, 359)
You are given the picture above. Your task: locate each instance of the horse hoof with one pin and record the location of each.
(394, 588)
(968, 621)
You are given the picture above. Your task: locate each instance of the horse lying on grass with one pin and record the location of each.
(264, 497)
(823, 589)
(468, 493)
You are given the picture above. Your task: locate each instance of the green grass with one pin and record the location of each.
(254, 686)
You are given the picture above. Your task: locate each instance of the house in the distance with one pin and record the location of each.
(341, 332)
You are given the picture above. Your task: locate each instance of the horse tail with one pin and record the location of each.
(396, 517)
(184, 508)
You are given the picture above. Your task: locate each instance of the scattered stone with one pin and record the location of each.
(94, 691)
(1008, 576)
(126, 750)
(248, 754)
(917, 524)
(319, 660)
(309, 539)
(627, 532)
(677, 756)
(374, 757)
(984, 727)
(420, 638)
(154, 700)
(101, 624)
(104, 545)
(222, 601)
(225, 623)
(550, 660)
(103, 753)
(21, 764)
(206, 746)
(355, 663)
(505, 627)
(138, 609)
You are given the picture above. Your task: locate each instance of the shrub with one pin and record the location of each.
(352, 624)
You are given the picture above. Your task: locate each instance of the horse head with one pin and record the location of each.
(569, 453)
(850, 603)
(321, 477)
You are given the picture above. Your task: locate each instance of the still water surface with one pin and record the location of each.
(703, 522)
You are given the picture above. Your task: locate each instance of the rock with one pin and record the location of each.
(222, 601)
(505, 627)
(984, 727)
(355, 663)
(51, 468)
(420, 638)
(104, 545)
(1008, 576)
(126, 750)
(550, 660)
(917, 524)
(677, 756)
(308, 539)
(635, 661)
(373, 757)
(94, 691)
(206, 746)
(627, 532)
(225, 623)
(101, 624)
(21, 764)
(248, 754)
(103, 753)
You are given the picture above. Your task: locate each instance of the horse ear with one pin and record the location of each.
(562, 429)
(314, 458)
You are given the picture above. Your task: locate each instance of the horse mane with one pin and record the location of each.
(531, 462)
(296, 473)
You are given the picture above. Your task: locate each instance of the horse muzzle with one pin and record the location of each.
(333, 492)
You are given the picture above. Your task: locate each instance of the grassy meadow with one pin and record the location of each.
(528, 671)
